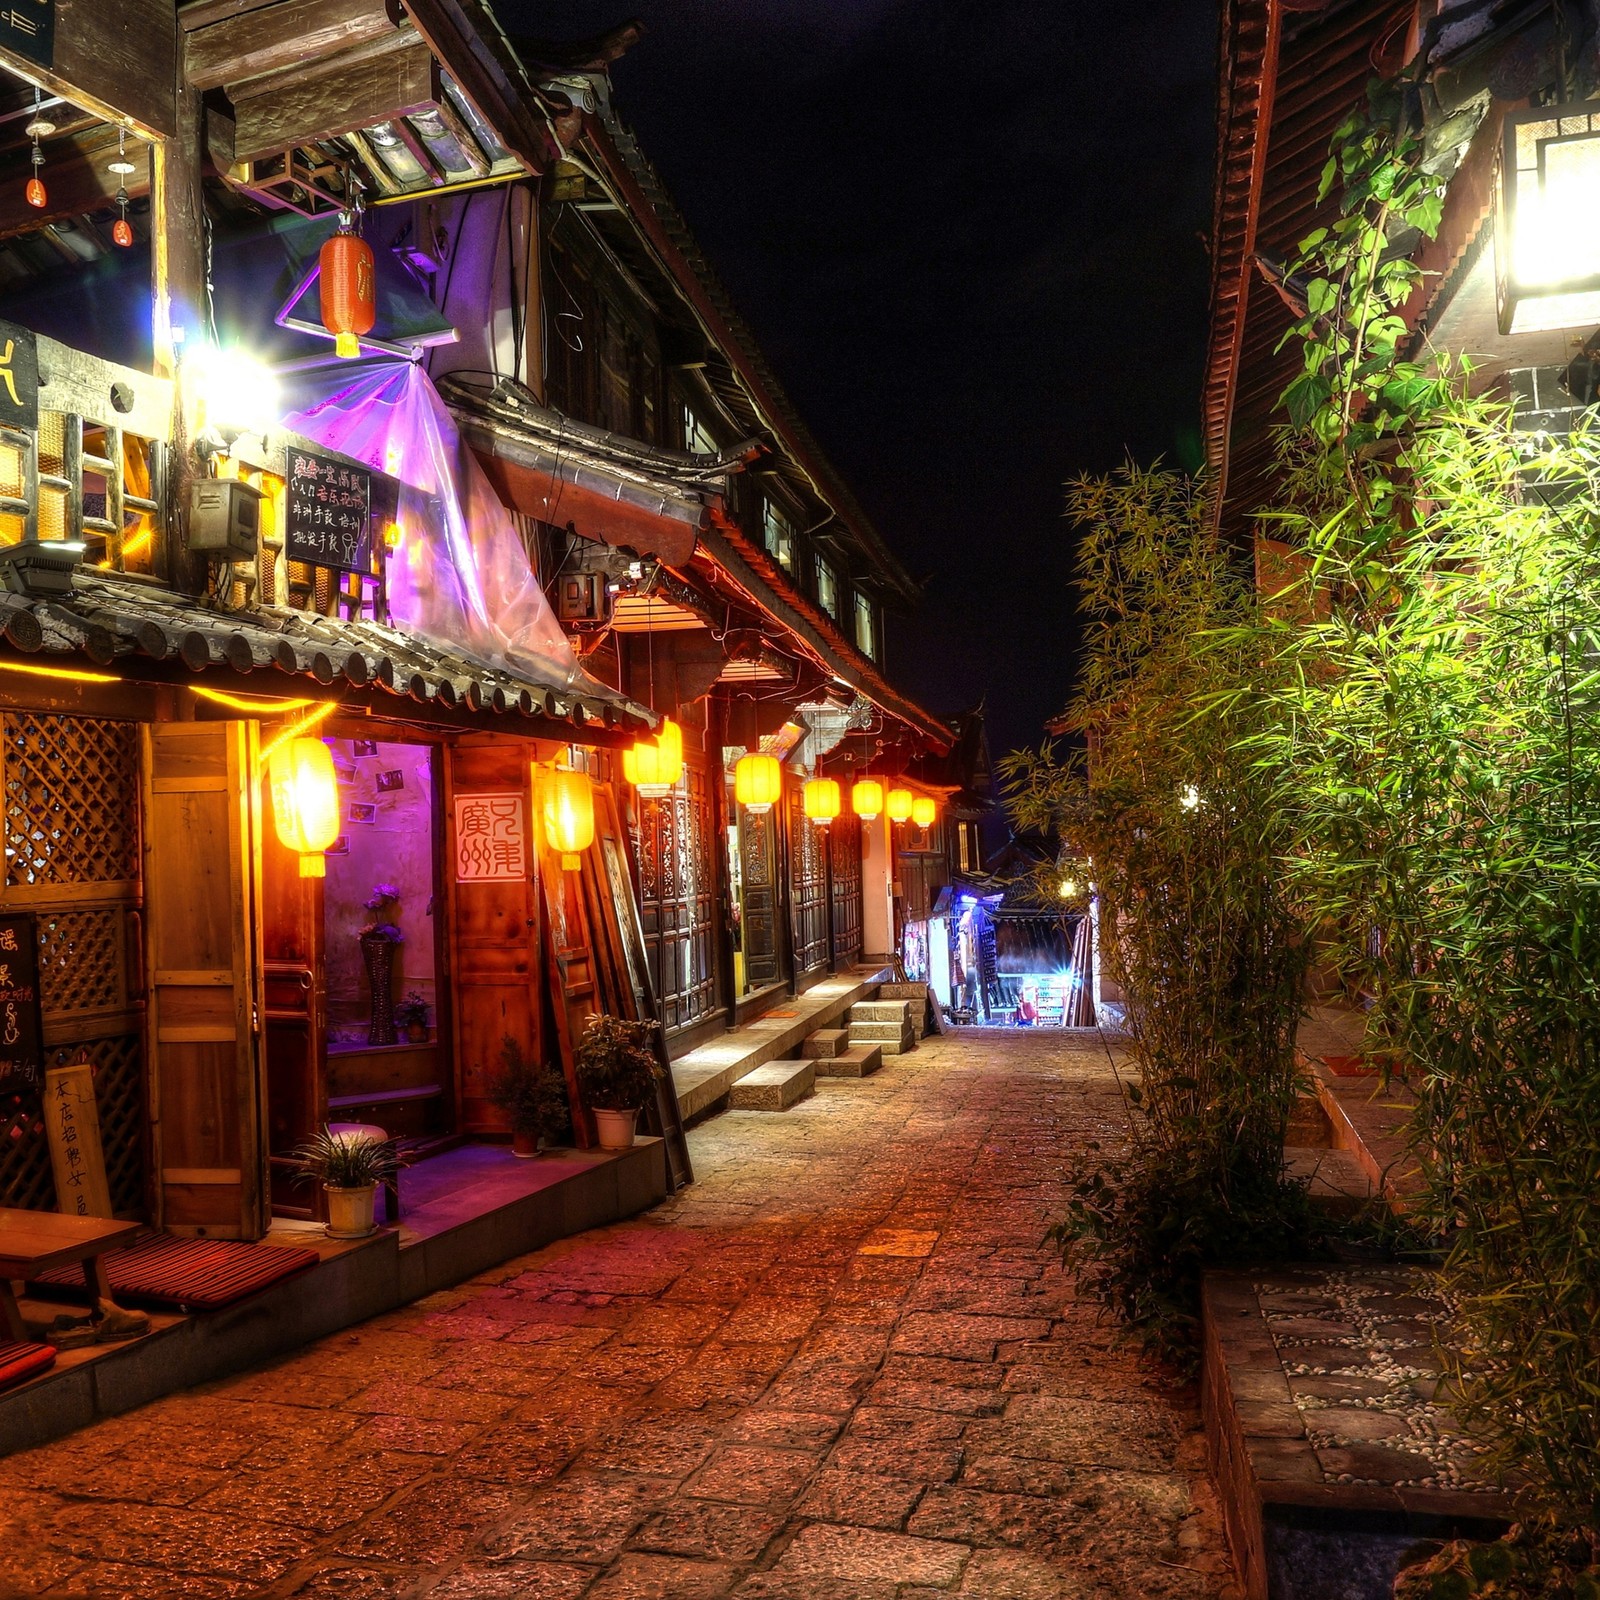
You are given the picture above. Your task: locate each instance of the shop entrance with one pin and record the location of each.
(354, 965)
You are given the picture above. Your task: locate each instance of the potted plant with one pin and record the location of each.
(617, 1072)
(412, 1015)
(349, 1166)
(533, 1096)
(378, 940)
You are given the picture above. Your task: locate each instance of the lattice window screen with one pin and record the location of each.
(71, 840)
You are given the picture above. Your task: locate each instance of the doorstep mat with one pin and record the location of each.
(19, 1362)
(185, 1274)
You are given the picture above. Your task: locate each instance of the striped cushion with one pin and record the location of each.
(19, 1362)
(185, 1274)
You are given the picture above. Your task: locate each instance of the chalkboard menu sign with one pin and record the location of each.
(21, 1033)
(328, 512)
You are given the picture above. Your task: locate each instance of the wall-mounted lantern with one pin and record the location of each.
(1547, 220)
(305, 801)
(821, 798)
(757, 782)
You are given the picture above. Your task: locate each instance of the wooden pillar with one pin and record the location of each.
(178, 294)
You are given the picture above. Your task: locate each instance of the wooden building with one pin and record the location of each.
(486, 546)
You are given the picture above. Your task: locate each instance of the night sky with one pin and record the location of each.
(970, 238)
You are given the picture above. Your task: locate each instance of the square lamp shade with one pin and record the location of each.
(1547, 220)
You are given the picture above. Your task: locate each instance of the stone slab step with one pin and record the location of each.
(1336, 1179)
(774, 1087)
(859, 1061)
(880, 1032)
(880, 1011)
(903, 991)
(826, 1043)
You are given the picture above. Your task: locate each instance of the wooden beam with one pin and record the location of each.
(292, 33)
(194, 14)
(342, 100)
(119, 61)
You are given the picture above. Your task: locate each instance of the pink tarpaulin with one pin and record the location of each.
(459, 574)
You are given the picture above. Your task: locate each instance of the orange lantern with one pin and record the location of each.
(568, 803)
(757, 782)
(653, 766)
(305, 801)
(821, 797)
(349, 289)
(35, 193)
(923, 811)
(898, 805)
(122, 233)
(669, 740)
(866, 799)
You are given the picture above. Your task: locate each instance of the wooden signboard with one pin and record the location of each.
(491, 838)
(21, 1029)
(328, 512)
(72, 1123)
(28, 28)
(19, 377)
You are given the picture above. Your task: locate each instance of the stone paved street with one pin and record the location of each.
(844, 1365)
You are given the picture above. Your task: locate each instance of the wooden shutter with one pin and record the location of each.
(495, 947)
(207, 1087)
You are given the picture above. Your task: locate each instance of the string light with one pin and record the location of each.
(68, 673)
(295, 729)
(252, 703)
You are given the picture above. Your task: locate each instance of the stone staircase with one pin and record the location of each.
(833, 1056)
(885, 1023)
(774, 1087)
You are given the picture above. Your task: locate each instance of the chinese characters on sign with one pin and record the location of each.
(21, 1036)
(491, 838)
(328, 512)
(72, 1122)
(29, 28)
(19, 377)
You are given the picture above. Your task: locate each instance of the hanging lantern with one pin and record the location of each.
(821, 797)
(654, 766)
(122, 229)
(923, 811)
(898, 805)
(866, 799)
(305, 801)
(757, 782)
(568, 801)
(669, 739)
(349, 288)
(39, 127)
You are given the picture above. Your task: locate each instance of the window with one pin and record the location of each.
(967, 863)
(827, 588)
(779, 537)
(695, 438)
(866, 627)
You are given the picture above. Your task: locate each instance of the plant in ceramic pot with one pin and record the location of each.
(412, 1015)
(617, 1073)
(533, 1096)
(378, 940)
(349, 1166)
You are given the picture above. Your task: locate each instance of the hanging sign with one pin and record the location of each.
(28, 29)
(72, 1122)
(491, 838)
(21, 1032)
(19, 377)
(328, 512)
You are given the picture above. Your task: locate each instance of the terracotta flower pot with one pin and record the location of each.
(351, 1212)
(614, 1128)
(417, 1032)
(525, 1145)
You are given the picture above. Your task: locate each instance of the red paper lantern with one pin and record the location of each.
(349, 290)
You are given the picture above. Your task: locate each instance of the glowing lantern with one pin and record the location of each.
(349, 289)
(898, 805)
(1547, 222)
(305, 801)
(568, 815)
(821, 796)
(669, 740)
(923, 811)
(866, 799)
(653, 766)
(35, 193)
(757, 782)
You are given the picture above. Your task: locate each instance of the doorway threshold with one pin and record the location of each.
(465, 1210)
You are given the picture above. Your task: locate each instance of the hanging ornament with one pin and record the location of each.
(39, 127)
(820, 798)
(923, 810)
(123, 169)
(757, 782)
(866, 799)
(349, 286)
(898, 805)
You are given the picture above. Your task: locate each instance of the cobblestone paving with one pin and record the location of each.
(844, 1365)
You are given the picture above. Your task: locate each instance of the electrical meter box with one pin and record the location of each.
(225, 518)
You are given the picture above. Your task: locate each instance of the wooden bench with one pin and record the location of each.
(32, 1242)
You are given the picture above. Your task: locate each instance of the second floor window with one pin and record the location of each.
(827, 588)
(695, 438)
(779, 537)
(866, 627)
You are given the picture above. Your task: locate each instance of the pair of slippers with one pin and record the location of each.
(111, 1325)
